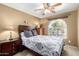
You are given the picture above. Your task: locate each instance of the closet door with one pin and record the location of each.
(40, 31)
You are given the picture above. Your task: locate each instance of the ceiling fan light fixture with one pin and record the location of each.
(47, 11)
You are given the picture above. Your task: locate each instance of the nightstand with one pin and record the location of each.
(10, 47)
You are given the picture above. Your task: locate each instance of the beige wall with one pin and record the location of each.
(72, 28)
(12, 18)
(71, 25)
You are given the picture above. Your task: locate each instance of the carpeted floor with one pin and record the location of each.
(68, 51)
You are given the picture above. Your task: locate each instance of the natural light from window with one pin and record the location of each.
(58, 28)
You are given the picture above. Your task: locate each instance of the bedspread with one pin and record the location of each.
(44, 45)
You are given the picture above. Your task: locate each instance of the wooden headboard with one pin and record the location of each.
(21, 28)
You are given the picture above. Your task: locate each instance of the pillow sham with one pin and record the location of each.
(34, 32)
(28, 34)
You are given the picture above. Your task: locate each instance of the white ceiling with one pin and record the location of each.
(31, 7)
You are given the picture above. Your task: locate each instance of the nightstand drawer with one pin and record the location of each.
(10, 48)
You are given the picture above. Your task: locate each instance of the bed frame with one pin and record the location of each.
(21, 28)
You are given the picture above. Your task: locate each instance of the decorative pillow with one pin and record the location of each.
(28, 34)
(34, 32)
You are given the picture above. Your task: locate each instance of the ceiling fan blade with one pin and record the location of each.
(57, 4)
(53, 11)
(38, 9)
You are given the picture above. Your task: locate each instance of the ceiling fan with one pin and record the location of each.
(50, 7)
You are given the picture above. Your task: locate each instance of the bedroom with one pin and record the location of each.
(12, 15)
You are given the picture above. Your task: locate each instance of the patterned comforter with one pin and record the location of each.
(44, 45)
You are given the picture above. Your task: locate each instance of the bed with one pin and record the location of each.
(42, 44)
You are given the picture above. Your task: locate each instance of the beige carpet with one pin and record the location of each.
(68, 51)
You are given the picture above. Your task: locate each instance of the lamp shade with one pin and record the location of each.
(9, 28)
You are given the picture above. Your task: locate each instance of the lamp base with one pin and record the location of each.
(10, 39)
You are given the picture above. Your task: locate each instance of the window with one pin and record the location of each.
(58, 28)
